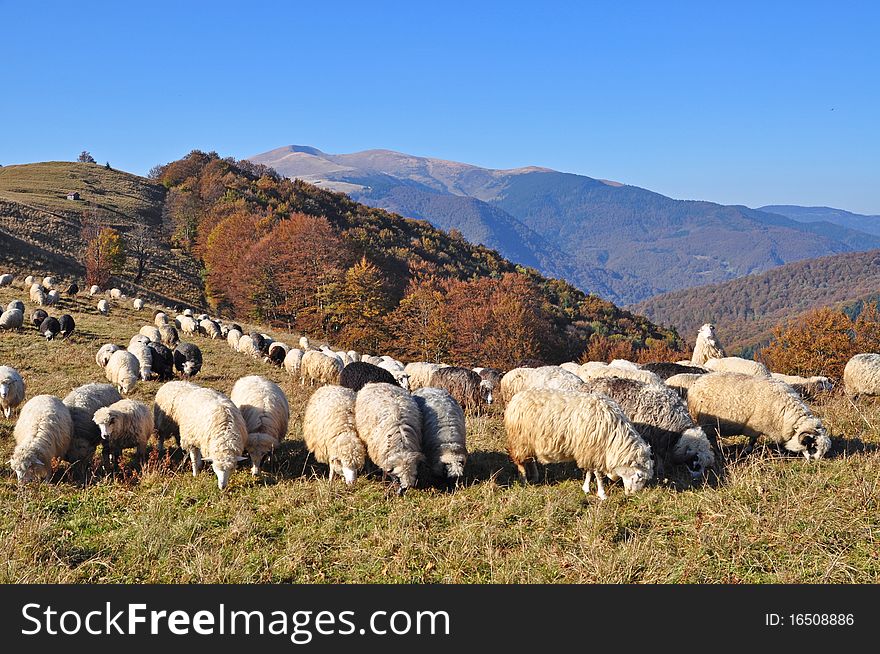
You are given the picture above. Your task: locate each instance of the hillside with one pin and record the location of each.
(41, 228)
(622, 242)
(745, 310)
(861, 222)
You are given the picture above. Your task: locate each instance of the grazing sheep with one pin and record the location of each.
(318, 367)
(42, 433)
(420, 373)
(807, 387)
(52, 297)
(161, 318)
(358, 374)
(6, 280)
(277, 353)
(68, 324)
(354, 356)
(681, 383)
(49, 283)
(570, 366)
(464, 385)
(443, 432)
(126, 423)
(37, 318)
(11, 319)
(707, 346)
(94, 290)
(661, 417)
(167, 408)
(861, 375)
(232, 337)
(82, 402)
(186, 325)
(188, 313)
(72, 290)
(163, 361)
(246, 345)
(293, 361)
(520, 379)
(491, 381)
(211, 426)
(734, 403)
(330, 434)
(553, 426)
(123, 370)
(138, 304)
(115, 294)
(103, 307)
(168, 336)
(138, 338)
(343, 356)
(266, 414)
(12, 389)
(15, 304)
(144, 356)
(366, 358)
(595, 370)
(187, 359)
(304, 343)
(38, 295)
(209, 328)
(104, 353)
(29, 281)
(388, 420)
(259, 342)
(50, 328)
(152, 333)
(737, 364)
(665, 370)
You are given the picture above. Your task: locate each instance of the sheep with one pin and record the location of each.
(104, 353)
(52, 297)
(464, 385)
(735, 403)
(68, 324)
(595, 370)
(354, 356)
(161, 318)
(293, 361)
(29, 281)
(50, 328)
(259, 342)
(103, 307)
(661, 417)
(664, 370)
(82, 402)
(123, 370)
(443, 432)
(553, 426)
(49, 283)
(168, 336)
(212, 429)
(681, 383)
(38, 295)
(366, 358)
(152, 333)
(42, 433)
(209, 328)
(15, 304)
(304, 343)
(144, 356)
(491, 380)
(861, 375)
(707, 346)
(330, 433)
(737, 364)
(94, 290)
(343, 356)
(116, 294)
(245, 345)
(186, 325)
(138, 304)
(72, 290)
(570, 366)
(11, 319)
(187, 359)
(168, 405)
(357, 374)
(12, 388)
(162, 361)
(37, 318)
(277, 353)
(188, 313)
(520, 379)
(388, 420)
(232, 337)
(806, 387)
(318, 367)
(266, 414)
(126, 423)
(6, 280)
(420, 373)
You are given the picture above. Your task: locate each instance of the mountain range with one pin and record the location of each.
(621, 242)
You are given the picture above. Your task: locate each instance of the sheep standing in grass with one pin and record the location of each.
(49, 283)
(151, 333)
(15, 304)
(212, 428)
(37, 318)
(6, 280)
(318, 367)
(358, 374)
(707, 346)
(187, 359)
(12, 389)
(245, 345)
(115, 294)
(82, 402)
(94, 290)
(126, 423)
(420, 373)
(144, 356)
(232, 337)
(596, 370)
(738, 404)
(443, 432)
(304, 343)
(277, 353)
(104, 353)
(259, 342)
(123, 371)
(396, 369)
(29, 281)
(67, 324)
(737, 364)
(103, 307)
(388, 420)
(162, 361)
(38, 295)
(330, 434)
(161, 318)
(138, 304)
(661, 417)
(50, 328)
(553, 426)
(11, 319)
(209, 328)
(861, 375)
(52, 297)
(168, 336)
(520, 379)
(807, 387)
(42, 433)
(464, 385)
(293, 361)
(167, 408)
(266, 413)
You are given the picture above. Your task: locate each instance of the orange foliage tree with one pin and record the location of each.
(819, 342)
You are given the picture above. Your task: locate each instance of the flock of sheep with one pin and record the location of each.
(615, 421)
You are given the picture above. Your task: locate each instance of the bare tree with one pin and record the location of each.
(85, 157)
(141, 243)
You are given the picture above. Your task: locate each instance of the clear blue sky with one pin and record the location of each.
(751, 103)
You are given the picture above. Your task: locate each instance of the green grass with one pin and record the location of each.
(770, 519)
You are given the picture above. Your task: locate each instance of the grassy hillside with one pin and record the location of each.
(745, 310)
(772, 518)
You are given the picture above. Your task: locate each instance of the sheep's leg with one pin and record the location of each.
(105, 458)
(587, 478)
(7, 411)
(196, 457)
(533, 470)
(522, 471)
(600, 487)
(751, 446)
(332, 474)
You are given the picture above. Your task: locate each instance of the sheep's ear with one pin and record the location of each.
(241, 458)
(39, 463)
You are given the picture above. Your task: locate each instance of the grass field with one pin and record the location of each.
(770, 518)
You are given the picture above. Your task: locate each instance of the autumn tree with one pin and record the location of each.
(181, 215)
(520, 329)
(418, 325)
(104, 252)
(141, 242)
(362, 304)
(85, 157)
(819, 342)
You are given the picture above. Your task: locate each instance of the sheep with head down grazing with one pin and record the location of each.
(12, 388)
(266, 414)
(42, 433)
(319, 367)
(520, 379)
(330, 433)
(11, 319)
(861, 375)
(443, 432)
(123, 371)
(737, 364)
(82, 402)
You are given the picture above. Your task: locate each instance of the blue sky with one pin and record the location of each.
(746, 103)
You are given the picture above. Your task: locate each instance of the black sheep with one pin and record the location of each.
(259, 342)
(664, 370)
(359, 373)
(50, 328)
(72, 290)
(38, 316)
(187, 359)
(277, 356)
(67, 325)
(163, 361)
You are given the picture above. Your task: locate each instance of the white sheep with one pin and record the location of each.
(343, 356)
(861, 375)
(138, 304)
(11, 319)
(554, 426)
(354, 356)
(151, 333)
(707, 346)
(682, 382)
(38, 295)
(29, 280)
(330, 433)
(168, 336)
(520, 379)
(737, 364)
(212, 429)
(595, 370)
(396, 368)
(103, 307)
(82, 402)
(293, 361)
(266, 414)
(388, 420)
(116, 294)
(12, 389)
(739, 404)
(6, 280)
(570, 366)
(123, 370)
(319, 367)
(304, 343)
(232, 337)
(805, 386)
(160, 319)
(126, 423)
(443, 432)
(52, 297)
(185, 324)
(210, 328)
(277, 353)
(94, 290)
(42, 433)
(104, 353)
(420, 373)
(167, 408)
(144, 356)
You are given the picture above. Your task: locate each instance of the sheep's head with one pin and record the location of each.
(109, 422)
(486, 391)
(402, 379)
(4, 388)
(146, 373)
(451, 461)
(811, 440)
(347, 456)
(635, 474)
(223, 467)
(28, 468)
(693, 449)
(258, 446)
(127, 385)
(404, 467)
